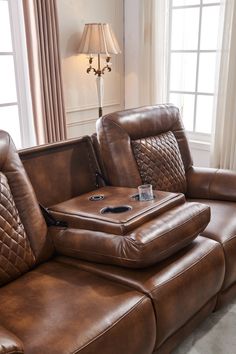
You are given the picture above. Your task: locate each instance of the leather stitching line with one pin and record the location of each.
(144, 298)
(211, 182)
(160, 286)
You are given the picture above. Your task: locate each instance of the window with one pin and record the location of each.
(15, 105)
(194, 26)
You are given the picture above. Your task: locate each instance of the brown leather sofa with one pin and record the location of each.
(148, 144)
(54, 303)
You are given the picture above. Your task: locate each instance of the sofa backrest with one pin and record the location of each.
(23, 236)
(61, 171)
(145, 145)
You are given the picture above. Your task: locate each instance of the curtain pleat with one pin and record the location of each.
(224, 137)
(45, 70)
(153, 51)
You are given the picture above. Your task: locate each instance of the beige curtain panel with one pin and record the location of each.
(153, 45)
(41, 23)
(224, 146)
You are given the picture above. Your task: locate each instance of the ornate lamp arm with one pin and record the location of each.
(99, 71)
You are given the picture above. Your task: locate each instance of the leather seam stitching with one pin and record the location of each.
(211, 182)
(189, 320)
(228, 240)
(177, 227)
(160, 286)
(144, 298)
(77, 215)
(121, 258)
(14, 352)
(8, 151)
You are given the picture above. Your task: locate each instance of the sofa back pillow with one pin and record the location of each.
(159, 162)
(16, 256)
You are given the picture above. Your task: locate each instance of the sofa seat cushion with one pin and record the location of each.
(222, 228)
(57, 308)
(179, 286)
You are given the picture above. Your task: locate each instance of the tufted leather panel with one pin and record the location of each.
(116, 131)
(16, 256)
(160, 163)
(25, 199)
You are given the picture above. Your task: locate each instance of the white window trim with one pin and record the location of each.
(21, 72)
(194, 137)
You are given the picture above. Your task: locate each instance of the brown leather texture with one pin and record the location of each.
(84, 213)
(61, 171)
(210, 183)
(117, 130)
(226, 297)
(160, 163)
(179, 286)
(57, 308)
(99, 159)
(16, 256)
(150, 243)
(25, 199)
(9, 343)
(172, 342)
(222, 228)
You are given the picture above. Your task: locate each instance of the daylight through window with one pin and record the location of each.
(194, 27)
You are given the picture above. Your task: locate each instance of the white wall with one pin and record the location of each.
(79, 87)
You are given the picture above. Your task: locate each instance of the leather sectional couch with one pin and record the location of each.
(66, 284)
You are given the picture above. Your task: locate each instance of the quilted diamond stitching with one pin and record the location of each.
(160, 163)
(16, 256)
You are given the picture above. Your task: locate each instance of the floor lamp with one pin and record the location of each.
(99, 39)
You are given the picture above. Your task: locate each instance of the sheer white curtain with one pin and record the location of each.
(224, 144)
(153, 40)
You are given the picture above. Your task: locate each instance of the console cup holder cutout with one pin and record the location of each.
(116, 210)
(97, 197)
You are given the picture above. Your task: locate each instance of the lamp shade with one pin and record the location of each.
(98, 38)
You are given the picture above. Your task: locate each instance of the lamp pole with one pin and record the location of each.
(100, 87)
(99, 80)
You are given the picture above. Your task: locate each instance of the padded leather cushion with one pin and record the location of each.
(16, 256)
(160, 163)
(59, 309)
(179, 286)
(9, 343)
(148, 244)
(222, 228)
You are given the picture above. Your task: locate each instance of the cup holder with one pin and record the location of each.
(116, 210)
(95, 198)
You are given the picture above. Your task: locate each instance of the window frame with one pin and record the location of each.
(193, 135)
(19, 54)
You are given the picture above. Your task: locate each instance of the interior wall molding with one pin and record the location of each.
(90, 107)
(82, 122)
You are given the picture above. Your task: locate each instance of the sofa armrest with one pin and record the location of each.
(210, 183)
(9, 343)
